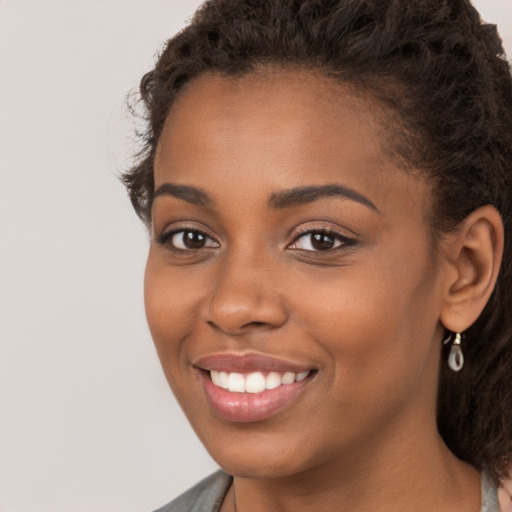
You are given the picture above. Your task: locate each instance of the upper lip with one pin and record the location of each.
(246, 363)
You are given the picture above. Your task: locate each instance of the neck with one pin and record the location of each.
(419, 475)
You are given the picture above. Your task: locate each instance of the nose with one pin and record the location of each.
(245, 297)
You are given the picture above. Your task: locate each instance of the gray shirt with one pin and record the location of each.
(208, 495)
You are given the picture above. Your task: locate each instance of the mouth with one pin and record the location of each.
(255, 382)
(251, 388)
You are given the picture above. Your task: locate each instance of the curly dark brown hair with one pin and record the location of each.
(443, 75)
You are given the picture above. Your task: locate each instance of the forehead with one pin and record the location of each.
(273, 130)
(294, 106)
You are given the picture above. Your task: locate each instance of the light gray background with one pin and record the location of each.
(87, 423)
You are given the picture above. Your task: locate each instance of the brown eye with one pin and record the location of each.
(187, 240)
(318, 241)
(322, 242)
(190, 239)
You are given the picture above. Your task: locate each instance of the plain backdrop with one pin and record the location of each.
(87, 423)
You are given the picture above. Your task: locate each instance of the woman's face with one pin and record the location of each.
(292, 259)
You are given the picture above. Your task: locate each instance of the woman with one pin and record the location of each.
(328, 184)
(505, 495)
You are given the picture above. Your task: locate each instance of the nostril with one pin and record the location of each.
(254, 325)
(237, 311)
(240, 329)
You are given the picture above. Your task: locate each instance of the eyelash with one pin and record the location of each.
(343, 242)
(165, 239)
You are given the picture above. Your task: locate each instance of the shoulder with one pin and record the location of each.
(489, 495)
(206, 496)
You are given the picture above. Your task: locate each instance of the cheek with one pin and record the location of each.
(376, 321)
(170, 310)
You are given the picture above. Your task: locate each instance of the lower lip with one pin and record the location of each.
(250, 407)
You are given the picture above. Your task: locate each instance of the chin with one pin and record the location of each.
(258, 454)
(257, 468)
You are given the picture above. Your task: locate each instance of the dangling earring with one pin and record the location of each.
(456, 357)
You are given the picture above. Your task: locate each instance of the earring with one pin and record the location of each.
(456, 357)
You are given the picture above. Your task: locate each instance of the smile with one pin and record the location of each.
(255, 382)
(251, 387)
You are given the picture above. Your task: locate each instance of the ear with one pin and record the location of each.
(473, 254)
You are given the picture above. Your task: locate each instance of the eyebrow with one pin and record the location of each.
(304, 195)
(192, 195)
(279, 200)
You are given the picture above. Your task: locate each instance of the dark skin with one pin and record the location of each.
(505, 495)
(366, 310)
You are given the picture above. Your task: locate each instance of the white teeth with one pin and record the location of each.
(254, 382)
(288, 378)
(223, 380)
(215, 377)
(301, 376)
(273, 380)
(236, 382)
